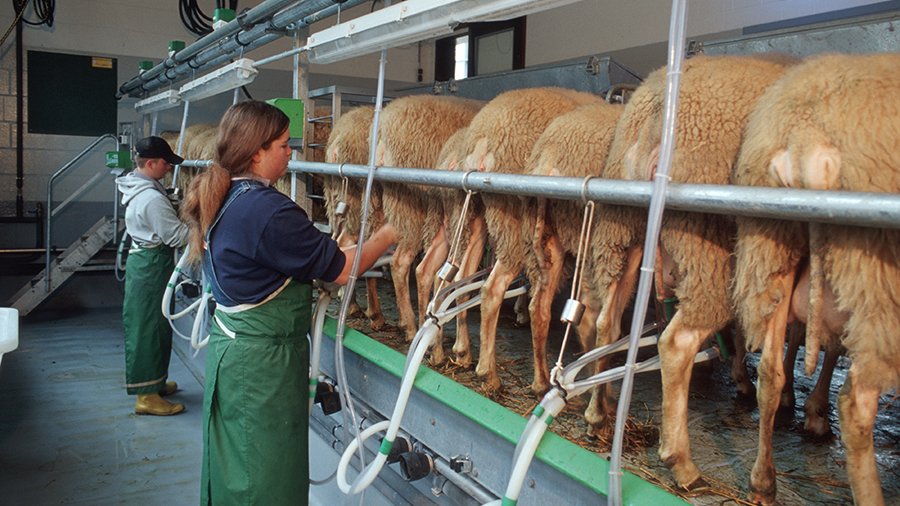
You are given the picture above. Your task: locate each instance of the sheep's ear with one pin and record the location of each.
(821, 167)
(782, 169)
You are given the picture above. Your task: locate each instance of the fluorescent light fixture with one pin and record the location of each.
(158, 102)
(411, 21)
(226, 78)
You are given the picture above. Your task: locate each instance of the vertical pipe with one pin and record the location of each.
(657, 204)
(354, 269)
(184, 117)
(154, 116)
(20, 122)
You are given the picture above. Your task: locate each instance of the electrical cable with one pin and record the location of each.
(19, 15)
(43, 9)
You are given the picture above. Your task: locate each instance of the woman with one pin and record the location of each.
(260, 252)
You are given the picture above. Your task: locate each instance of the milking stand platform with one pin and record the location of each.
(465, 431)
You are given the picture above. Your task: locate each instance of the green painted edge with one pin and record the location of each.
(582, 466)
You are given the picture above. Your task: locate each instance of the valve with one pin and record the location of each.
(191, 290)
(327, 398)
(415, 465)
(401, 446)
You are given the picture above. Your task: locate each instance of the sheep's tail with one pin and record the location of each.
(815, 323)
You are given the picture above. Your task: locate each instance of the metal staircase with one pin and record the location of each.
(58, 270)
(63, 267)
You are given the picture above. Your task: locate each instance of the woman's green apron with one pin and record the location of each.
(148, 338)
(255, 425)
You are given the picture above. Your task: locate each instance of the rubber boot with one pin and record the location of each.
(170, 388)
(153, 404)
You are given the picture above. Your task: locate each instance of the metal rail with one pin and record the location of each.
(866, 209)
(49, 212)
(880, 210)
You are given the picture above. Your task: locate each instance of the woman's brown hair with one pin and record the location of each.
(245, 128)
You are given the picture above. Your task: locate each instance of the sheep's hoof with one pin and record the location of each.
(762, 497)
(463, 360)
(492, 385)
(816, 425)
(540, 387)
(698, 485)
(376, 322)
(354, 310)
(437, 357)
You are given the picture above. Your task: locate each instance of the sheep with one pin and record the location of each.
(191, 134)
(500, 139)
(444, 213)
(829, 123)
(694, 260)
(575, 144)
(412, 132)
(349, 143)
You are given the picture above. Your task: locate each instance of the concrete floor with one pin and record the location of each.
(68, 434)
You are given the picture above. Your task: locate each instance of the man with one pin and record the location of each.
(155, 231)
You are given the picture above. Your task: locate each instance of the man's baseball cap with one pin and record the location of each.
(156, 147)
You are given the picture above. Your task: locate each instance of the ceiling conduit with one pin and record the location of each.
(229, 41)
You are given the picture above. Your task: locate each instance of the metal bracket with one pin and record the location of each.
(593, 66)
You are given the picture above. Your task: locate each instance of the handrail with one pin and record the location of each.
(49, 212)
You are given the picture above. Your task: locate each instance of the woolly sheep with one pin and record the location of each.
(829, 123)
(412, 132)
(694, 261)
(444, 213)
(500, 139)
(575, 144)
(349, 143)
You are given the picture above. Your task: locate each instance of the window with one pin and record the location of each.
(481, 48)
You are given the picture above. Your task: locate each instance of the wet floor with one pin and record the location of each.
(723, 428)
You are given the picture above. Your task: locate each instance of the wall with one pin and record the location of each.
(590, 27)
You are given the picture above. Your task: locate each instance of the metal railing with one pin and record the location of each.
(867, 209)
(50, 211)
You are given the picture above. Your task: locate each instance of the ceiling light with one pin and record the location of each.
(158, 102)
(412, 21)
(227, 78)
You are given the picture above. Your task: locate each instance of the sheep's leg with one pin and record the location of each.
(491, 299)
(550, 260)
(609, 326)
(462, 348)
(373, 305)
(425, 280)
(817, 405)
(739, 374)
(402, 260)
(677, 347)
(857, 407)
(521, 309)
(768, 393)
(795, 336)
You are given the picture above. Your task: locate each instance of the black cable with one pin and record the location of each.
(43, 9)
(193, 18)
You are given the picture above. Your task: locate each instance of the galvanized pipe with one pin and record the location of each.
(297, 16)
(49, 213)
(880, 210)
(262, 11)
